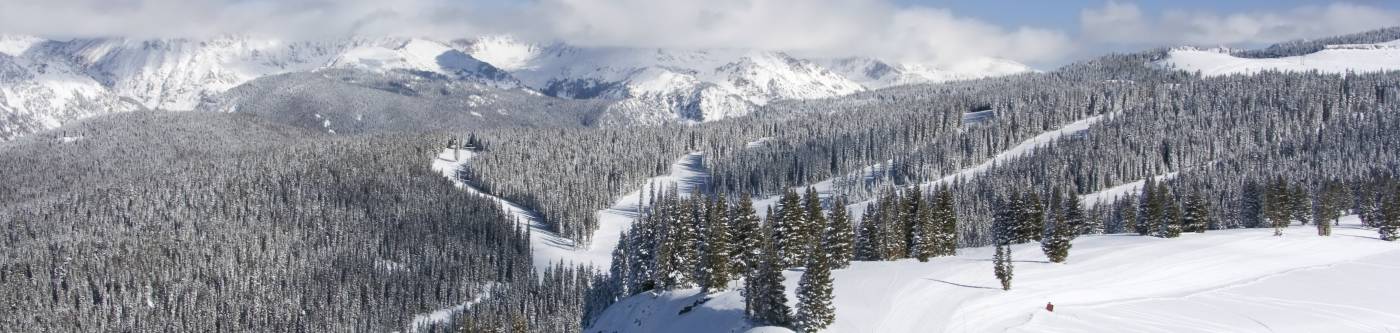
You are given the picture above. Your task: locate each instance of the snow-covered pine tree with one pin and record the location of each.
(923, 241)
(1074, 216)
(911, 202)
(1149, 208)
(1300, 205)
(1327, 206)
(746, 236)
(768, 298)
(1276, 207)
(867, 244)
(716, 271)
(947, 223)
(1001, 262)
(787, 229)
(621, 267)
(1058, 235)
(1252, 204)
(814, 296)
(1170, 224)
(814, 224)
(892, 237)
(1032, 224)
(1390, 216)
(840, 236)
(1196, 214)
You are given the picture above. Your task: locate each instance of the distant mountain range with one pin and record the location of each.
(45, 83)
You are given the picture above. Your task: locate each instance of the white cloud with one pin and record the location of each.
(823, 27)
(1118, 22)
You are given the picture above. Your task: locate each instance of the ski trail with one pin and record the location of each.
(547, 247)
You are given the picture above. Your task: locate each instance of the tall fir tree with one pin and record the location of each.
(814, 296)
(1169, 224)
(1032, 224)
(1059, 233)
(868, 245)
(923, 242)
(840, 236)
(1390, 215)
(1004, 229)
(1276, 206)
(1149, 208)
(787, 229)
(911, 204)
(814, 224)
(746, 236)
(716, 272)
(947, 223)
(1196, 214)
(768, 298)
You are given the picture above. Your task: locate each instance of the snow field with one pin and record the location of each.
(1242, 280)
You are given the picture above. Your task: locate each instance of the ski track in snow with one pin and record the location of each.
(1242, 280)
(548, 248)
(443, 315)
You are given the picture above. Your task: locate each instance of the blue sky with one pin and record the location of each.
(1043, 33)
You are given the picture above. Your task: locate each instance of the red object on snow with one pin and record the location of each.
(1049, 307)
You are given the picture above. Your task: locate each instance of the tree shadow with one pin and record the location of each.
(961, 285)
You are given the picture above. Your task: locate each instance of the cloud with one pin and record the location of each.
(818, 27)
(1118, 22)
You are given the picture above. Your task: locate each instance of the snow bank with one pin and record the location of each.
(547, 247)
(1335, 59)
(1222, 281)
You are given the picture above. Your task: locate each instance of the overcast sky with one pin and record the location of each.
(1038, 32)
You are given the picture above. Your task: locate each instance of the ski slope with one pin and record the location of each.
(1335, 59)
(1108, 195)
(547, 247)
(1243, 280)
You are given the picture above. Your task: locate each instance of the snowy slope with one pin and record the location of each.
(1222, 281)
(416, 54)
(1334, 59)
(548, 248)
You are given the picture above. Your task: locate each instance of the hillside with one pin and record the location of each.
(1333, 59)
(1232, 280)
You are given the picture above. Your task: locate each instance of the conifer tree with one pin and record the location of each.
(840, 236)
(892, 237)
(746, 236)
(868, 237)
(924, 243)
(947, 223)
(1058, 235)
(1327, 206)
(1073, 215)
(1032, 219)
(1390, 216)
(1169, 224)
(1276, 206)
(788, 230)
(1196, 215)
(1149, 208)
(768, 302)
(814, 296)
(814, 224)
(1002, 266)
(1252, 204)
(911, 202)
(716, 271)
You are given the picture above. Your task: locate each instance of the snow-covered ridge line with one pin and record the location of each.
(548, 248)
(1241, 280)
(1334, 59)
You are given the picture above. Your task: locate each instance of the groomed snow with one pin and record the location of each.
(1335, 59)
(1243, 280)
(1110, 194)
(548, 248)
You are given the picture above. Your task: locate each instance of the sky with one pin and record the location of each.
(1037, 32)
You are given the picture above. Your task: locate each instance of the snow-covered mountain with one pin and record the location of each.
(656, 85)
(46, 82)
